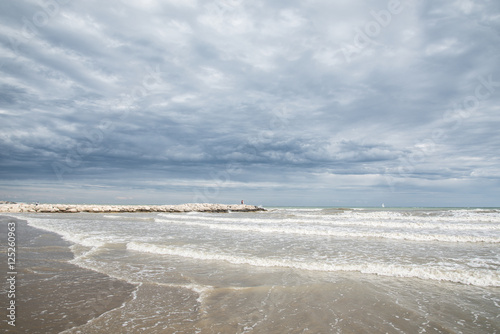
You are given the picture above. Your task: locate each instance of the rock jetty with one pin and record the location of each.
(75, 208)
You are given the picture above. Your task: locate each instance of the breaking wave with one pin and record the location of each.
(464, 276)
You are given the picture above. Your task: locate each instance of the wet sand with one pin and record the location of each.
(52, 294)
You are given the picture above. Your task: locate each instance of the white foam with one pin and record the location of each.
(465, 216)
(74, 237)
(126, 216)
(414, 223)
(332, 232)
(464, 276)
(303, 209)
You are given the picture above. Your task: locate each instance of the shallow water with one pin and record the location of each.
(52, 294)
(292, 270)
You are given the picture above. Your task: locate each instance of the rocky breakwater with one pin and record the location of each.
(75, 208)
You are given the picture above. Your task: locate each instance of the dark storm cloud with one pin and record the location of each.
(355, 96)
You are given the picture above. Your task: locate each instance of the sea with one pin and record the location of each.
(284, 270)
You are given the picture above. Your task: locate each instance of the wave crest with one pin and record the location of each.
(463, 276)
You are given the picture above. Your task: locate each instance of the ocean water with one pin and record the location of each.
(292, 270)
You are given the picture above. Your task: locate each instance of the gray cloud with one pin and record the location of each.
(348, 99)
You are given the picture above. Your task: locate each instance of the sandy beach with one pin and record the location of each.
(51, 294)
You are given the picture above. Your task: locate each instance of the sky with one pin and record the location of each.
(278, 103)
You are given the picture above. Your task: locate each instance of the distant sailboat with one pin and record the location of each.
(383, 205)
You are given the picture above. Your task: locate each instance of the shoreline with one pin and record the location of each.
(99, 208)
(44, 270)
